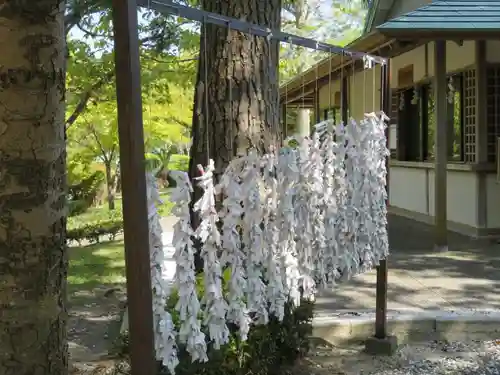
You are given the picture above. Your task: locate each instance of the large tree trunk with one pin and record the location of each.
(33, 263)
(225, 124)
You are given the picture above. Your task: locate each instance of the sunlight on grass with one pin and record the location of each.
(96, 265)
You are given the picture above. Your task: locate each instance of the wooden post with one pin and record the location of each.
(284, 122)
(133, 177)
(382, 271)
(381, 343)
(481, 131)
(317, 113)
(344, 101)
(441, 145)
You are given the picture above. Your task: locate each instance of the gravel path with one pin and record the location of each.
(480, 357)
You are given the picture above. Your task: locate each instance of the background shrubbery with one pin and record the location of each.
(270, 349)
(93, 226)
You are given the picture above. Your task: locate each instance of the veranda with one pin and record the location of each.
(444, 109)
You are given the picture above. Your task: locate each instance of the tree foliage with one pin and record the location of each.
(169, 49)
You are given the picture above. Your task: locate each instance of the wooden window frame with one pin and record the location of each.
(409, 152)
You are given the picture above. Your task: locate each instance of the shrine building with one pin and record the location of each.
(444, 107)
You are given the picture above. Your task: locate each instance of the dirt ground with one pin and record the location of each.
(94, 322)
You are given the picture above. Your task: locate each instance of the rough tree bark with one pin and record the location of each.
(224, 123)
(33, 263)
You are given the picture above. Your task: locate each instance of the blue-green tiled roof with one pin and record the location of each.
(448, 15)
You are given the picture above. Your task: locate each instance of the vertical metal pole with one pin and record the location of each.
(132, 167)
(381, 288)
(441, 146)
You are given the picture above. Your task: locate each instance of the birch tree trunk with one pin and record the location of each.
(33, 262)
(236, 98)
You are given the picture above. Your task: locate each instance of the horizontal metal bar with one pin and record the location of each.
(249, 28)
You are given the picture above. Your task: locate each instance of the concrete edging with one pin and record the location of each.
(407, 325)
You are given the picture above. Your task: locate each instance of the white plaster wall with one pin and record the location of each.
(327, 94)
(393, 137)
(364, 92)
(493, 201)
(457, 58)
(412, 189)
(493, 51)
(407, 189)
(461, 196)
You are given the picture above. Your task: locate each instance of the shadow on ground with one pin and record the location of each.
(419, 278)
(96, 293)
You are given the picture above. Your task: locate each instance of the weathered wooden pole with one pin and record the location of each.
(133, 177)
(381, 292)
(441, 146)
(381, 343)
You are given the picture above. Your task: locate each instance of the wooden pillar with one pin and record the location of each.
(303, 122)
(317, 113)
(344, 99)
(284, 123)
(133, 178)
(441, 144)
(382, 270)
(481, 130)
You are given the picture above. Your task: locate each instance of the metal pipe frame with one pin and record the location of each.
(167, 6)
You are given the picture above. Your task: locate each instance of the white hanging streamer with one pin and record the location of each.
(253, 237)
(304, 211)
(316, 218)
(165, 333)
(274, 272)
(215, 305)
(232, 254)
(288, 172)
(188, 305)
(293, 222)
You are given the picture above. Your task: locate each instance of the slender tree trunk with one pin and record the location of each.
(33, 263)
(236, 97)
(110, 186)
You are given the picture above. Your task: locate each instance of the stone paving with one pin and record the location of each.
(465, 277)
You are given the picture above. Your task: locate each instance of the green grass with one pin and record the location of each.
(102, 213)
(103, 263)
(96, 265)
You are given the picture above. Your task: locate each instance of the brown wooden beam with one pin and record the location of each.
(441, 146)
(133, 177)
(299, 95)
(389, 50)
(302, 104)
